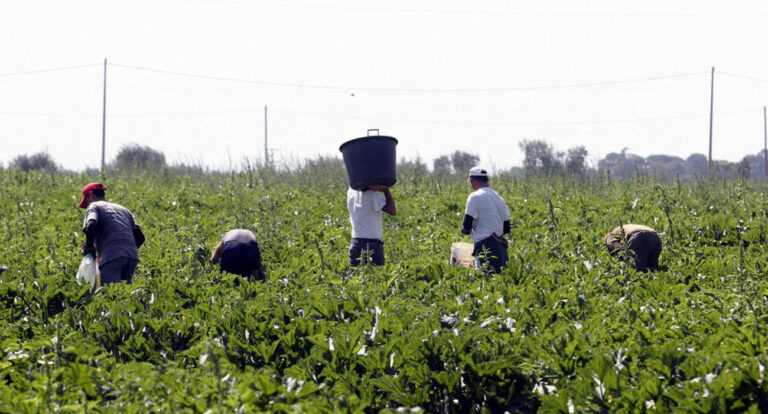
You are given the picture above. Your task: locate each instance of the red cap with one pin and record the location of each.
(87, 189)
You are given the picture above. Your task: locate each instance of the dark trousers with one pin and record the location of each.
(242, 258)
(644, 247)
(118, 270)
(491, 253)
(374, 248)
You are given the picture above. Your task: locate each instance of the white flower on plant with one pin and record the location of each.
(600, 388)
(619, 357)
(510, 324)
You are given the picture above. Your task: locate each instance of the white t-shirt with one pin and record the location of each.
(365, 213)
(489, 212)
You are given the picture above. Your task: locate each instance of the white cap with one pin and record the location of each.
(478, 172)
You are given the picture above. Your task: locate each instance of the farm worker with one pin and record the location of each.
(365, 208)
(642, 243)
(486, 221)
(238, 253)
(111, 234)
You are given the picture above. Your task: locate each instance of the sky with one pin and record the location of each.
(191, 78)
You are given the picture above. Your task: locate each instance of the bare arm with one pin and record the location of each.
(389, 208)
(613, 244)
(217, 253)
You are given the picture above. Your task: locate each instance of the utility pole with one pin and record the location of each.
(711, 108)
(765, 143)
(266, 149)
(104, 121)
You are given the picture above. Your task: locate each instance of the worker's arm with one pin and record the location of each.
(138, 235)
(217, 253)
(613, 244)
(466, 225)
(390, 207)
(90, 230)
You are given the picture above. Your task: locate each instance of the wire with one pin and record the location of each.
(482, 12)
(59, 69)
(48, 114)
(417, 90)
(406, 121)
(556, 123)
(734, 75)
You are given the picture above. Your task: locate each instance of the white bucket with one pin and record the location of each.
(461, 254)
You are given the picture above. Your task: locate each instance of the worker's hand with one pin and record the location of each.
(88, 249)
(378, 187)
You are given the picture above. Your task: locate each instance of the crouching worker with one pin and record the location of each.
(642, 244)
(111, 234)
(238, 253)
(486, 221)
(365, 209)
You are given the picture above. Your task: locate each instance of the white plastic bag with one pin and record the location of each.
(88, 271)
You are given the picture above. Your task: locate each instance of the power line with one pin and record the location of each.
(735, 75)
(531, 123)
(417, 90)
(494, 13)
(419, 121)
(59, 69)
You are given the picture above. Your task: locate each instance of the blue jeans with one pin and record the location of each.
(118, 270)
(374, 247)
(491, 252)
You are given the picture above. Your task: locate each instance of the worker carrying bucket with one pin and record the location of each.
(371, 164)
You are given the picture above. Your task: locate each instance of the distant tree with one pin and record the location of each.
(463, 161)
(540, 158)
(441, 165)
(743, 168)
(756, 165)
(668, 165)
(39, 161)
(576, 161)
(415, 166)
(136, 157)
(697, 164)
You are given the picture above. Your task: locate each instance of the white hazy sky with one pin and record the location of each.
(191, 77)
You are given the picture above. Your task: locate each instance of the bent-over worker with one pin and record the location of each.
(238, 252)
(111, 235)
(642, 243)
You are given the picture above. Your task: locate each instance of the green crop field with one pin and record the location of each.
(565, 328)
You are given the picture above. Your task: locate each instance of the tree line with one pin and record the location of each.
(539, 159)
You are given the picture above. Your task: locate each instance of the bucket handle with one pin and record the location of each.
(373, 129)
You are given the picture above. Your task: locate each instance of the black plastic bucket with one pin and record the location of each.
(370, 160)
